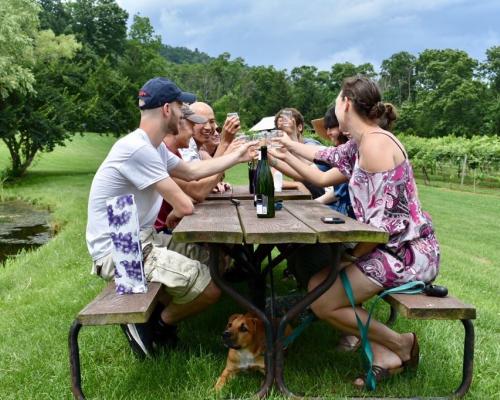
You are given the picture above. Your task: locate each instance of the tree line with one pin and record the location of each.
(74, 66)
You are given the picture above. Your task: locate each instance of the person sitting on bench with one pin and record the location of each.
(138, 164)
(383, 193)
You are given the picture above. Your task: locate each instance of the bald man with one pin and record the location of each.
(203, 133)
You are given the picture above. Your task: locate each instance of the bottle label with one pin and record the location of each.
(262, 202)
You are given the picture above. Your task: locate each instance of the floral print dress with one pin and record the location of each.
(388, 200)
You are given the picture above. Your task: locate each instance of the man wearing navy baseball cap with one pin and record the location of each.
(140, 164)
(158, 91)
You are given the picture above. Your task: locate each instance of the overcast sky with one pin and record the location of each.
(292, 33)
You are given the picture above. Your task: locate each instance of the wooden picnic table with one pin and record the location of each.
(241, 192)
(249, 240)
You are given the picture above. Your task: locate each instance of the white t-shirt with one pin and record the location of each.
(191, 153)
(132, 166)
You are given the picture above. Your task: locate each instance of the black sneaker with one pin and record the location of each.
(140, 339)
(165, 336)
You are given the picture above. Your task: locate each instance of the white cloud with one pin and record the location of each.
(321, 32)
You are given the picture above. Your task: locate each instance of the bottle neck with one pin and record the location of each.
(263, 153)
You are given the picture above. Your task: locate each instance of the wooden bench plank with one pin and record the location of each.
(212, 222)
(112, 308)
(283, 228)
(420, 306)
(350, 231)
(241, 192)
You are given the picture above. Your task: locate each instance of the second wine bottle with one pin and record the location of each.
(264, 187)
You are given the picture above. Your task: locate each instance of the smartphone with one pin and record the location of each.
(332, 220)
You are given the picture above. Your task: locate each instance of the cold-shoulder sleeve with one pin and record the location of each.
(342, 157)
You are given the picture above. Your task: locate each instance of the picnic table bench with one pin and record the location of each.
(420, 306)
(109, 308)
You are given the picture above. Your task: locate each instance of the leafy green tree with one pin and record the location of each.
(491, 70)
(310, 91)
(210, 81)
(17, 34)
(492, 118)
(397, 77)
(340, 71)
(491, 67)
(434, 66)
(183, 55)
(54, 16)
(262, 92)
(448, 98)
(142, 60)
(40, 119)
(99, 24)
(109, 100)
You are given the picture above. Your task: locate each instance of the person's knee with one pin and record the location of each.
(321, 309)
(211, 293)
(325, 311)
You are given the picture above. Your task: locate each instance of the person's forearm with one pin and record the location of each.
(309, 173)
(327, 198)
(221, 148)
(314, 175)
(201, 169)
(306, 151)
(286, 169)
(199, 190)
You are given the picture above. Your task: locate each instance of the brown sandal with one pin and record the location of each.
(380, 374)
(412, 362)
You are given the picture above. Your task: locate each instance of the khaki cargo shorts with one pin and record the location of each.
(181, 267)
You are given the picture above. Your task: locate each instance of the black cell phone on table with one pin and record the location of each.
(332, 220)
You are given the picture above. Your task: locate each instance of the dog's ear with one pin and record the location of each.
(232, 318)
(252, 324)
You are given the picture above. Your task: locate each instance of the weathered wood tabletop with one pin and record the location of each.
(298, 222)
(241, 192)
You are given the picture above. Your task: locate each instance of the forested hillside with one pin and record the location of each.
(74, 66)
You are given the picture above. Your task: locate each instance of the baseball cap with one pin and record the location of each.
(190, 115)
(158, 91)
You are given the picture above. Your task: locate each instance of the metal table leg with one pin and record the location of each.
(247, 304)
(74, 360)
(468, 359)
(296, 310)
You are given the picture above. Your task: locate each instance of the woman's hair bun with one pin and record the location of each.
(390, 112)
(377, 110)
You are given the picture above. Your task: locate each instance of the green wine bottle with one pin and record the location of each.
(264, 187)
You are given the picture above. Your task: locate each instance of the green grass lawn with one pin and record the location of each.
(42, 291)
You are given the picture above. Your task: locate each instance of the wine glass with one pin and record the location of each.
(272, 138)
(286, 118)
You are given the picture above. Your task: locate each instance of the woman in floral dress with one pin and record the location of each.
(383, 194)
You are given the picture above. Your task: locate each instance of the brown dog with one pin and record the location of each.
(246, 340)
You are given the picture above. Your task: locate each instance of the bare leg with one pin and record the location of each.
(334, 307)
(174, 313)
